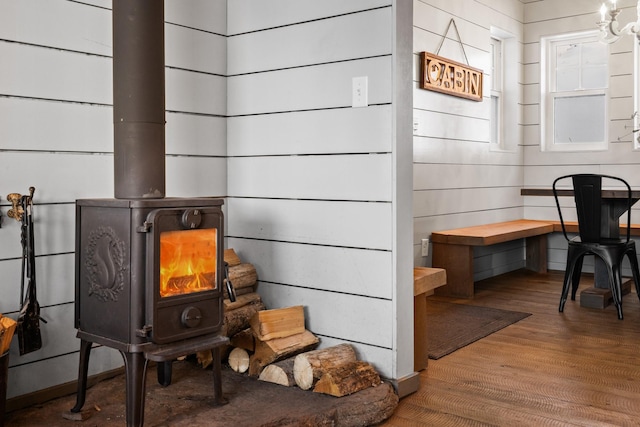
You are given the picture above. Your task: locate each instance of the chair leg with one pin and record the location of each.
(633, 260)
(575, 279)
(615, 281)
(568, 275)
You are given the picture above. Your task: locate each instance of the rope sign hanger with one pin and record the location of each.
(455, 27)
(447, 76)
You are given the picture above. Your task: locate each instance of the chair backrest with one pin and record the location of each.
(587, 189)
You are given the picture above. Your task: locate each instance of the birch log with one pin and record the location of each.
(310, 366)
(279, 373)
(239, 360)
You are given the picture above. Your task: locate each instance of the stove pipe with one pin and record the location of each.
(138, 99)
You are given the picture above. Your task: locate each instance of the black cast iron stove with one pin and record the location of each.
(149, 269)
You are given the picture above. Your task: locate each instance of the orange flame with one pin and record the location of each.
(187, 261)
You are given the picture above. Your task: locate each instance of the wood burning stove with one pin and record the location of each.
(149, 269)
(149, 277)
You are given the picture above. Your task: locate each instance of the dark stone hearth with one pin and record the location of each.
(188, 401)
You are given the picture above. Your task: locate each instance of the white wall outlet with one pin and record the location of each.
(360, 92)
(425, 247)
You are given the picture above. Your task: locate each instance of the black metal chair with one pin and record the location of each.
(611, 250)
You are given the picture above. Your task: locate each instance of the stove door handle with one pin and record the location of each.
(230, 290)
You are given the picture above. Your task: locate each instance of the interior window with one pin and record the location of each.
(504, 85)
(574, 84)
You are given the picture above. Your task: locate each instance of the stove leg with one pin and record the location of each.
(83, 370)
(164, 372)
(135, 369)
(218, 399)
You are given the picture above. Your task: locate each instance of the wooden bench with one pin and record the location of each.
(425, 280)
(572, 227)
(453, 250)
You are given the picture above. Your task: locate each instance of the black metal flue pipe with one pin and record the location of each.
(138, 99)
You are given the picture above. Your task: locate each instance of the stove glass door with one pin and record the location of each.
(188, 261)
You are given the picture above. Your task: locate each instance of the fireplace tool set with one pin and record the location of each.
(28, 322)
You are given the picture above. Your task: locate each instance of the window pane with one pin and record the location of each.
(579, 119)
(594, 53)
(496, 64)
(567, 55)
(568, 79)
(495, 119)
(594, 77)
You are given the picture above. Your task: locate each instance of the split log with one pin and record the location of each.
(279, 373)
(239, 360)
(243, 276)
(205, 358)
(231, 257)
(310, 366)
(271, 351)
(7, 329)
(244, 339)
(242, 300)
(277, 323)
(347, 379)
(237, 320)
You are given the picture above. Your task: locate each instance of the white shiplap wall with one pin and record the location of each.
(312, 202)
(548, 17)
(56, 135)
(320, 193)
(458, 180)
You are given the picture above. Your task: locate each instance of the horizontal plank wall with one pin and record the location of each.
(459, 180)
(544, 18)
(312, 202)
(56, 134)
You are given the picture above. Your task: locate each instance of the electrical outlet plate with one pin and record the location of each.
(360, 97)
(425, 247)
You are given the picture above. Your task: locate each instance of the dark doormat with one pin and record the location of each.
(452, 326)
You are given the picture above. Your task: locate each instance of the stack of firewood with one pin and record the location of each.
(275, 346)
(333, 370)
(273, 335)
(237, 314)
(284, 354)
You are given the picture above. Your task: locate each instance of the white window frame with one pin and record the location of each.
(636, 97)
(548, 95)
(505, 85)
(497, 67)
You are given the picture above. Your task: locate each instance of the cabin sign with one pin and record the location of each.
(446, 76)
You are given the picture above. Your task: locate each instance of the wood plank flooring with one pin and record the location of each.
(577, 368)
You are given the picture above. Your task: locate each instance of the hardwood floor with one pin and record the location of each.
(577, 368)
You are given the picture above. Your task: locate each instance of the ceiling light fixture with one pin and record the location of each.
(610, 30)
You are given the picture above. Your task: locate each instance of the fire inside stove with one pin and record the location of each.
(188, 261)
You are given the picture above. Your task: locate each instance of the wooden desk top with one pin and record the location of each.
(609, 194)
